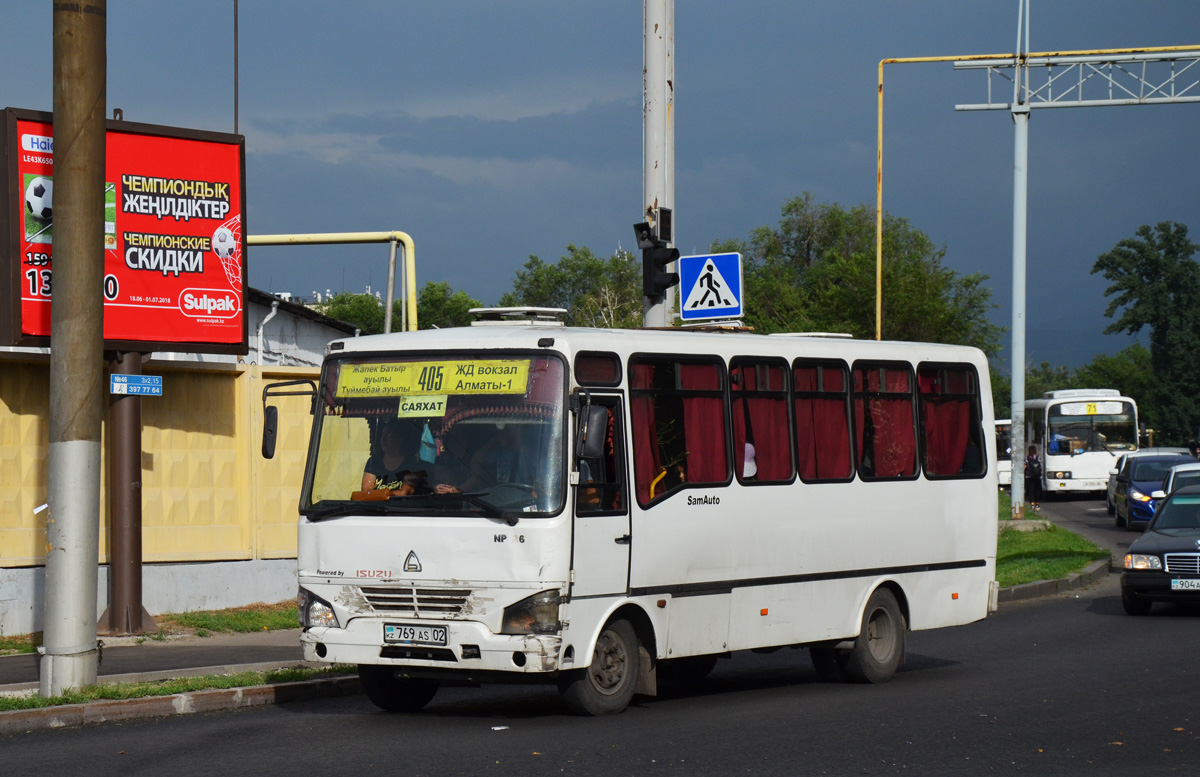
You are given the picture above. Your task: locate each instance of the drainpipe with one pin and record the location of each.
(263, 325)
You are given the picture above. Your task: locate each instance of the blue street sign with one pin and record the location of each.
(146, 385)
(710, 286)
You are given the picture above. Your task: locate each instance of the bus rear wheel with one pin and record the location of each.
(387, 692)
(606, 686)
(879, 649)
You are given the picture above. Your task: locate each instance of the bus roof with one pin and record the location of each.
(571, 340)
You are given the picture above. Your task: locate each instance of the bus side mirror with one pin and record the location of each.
(594, 431)
(270, 428)
(271, 413)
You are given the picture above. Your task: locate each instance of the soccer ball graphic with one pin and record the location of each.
(39, 198)
(223, 242)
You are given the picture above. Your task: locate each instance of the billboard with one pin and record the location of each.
(174, 255)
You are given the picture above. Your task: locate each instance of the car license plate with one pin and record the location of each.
(1185, 585)
(414, 634)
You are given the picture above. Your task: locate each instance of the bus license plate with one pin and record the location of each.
(1185, 585)
(414, 634)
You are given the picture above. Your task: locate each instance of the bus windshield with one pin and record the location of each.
(1082, 427)
(445, 435)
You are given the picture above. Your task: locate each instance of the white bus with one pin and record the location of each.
(587, 507)
(1004, 452)
(1079, 433)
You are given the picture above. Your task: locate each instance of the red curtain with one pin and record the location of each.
(646, 463)
(703, 425)
(892, 446)
(947, 423)
(822, 425)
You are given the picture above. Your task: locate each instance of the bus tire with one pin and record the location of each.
(829, 664)
(879, 648)
(388, 692)
(606, 686)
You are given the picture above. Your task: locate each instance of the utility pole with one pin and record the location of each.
(70, 656)
(658, 143)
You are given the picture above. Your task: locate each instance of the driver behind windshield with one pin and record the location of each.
(499, 460)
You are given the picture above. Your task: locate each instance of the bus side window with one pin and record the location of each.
(762, 450)
(600, 478)
(884, 423)
(821, 408)
(679, 421)
(950, 421)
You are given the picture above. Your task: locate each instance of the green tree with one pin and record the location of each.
(594, 291)
(440, 307)
(815, 271)
(1155, 284)
(362, 310)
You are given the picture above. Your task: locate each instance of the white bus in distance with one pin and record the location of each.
(589, 507)
(1079, 434)
(1004, 452)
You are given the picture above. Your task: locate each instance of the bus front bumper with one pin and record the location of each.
(1077, 485)
(470, 647)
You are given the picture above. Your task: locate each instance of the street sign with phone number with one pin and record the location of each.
(146, 385)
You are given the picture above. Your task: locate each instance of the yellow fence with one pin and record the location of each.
(207, 493)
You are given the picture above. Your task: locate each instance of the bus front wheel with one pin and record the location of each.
(387, 692)
(606, 686)
(879, 649)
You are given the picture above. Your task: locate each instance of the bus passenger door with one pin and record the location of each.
(600, 548)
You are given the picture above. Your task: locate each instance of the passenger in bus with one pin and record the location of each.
(394, 467)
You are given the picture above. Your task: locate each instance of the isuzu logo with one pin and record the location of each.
(412, 563)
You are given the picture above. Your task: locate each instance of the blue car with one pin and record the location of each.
(1137, 479)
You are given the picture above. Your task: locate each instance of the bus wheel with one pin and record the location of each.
(605, 687)
(880, 645)
(828, 664)
(387, 692)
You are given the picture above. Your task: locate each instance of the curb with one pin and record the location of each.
(1092, 573)
(104, 710)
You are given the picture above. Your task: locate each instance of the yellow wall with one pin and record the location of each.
(207, 493)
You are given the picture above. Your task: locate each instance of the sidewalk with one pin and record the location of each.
(134, 659)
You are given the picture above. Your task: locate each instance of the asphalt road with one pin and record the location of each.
(1062, 685)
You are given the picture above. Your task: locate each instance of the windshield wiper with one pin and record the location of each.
(316, 513)
(489, 509)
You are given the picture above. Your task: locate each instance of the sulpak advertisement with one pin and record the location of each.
(174, 202)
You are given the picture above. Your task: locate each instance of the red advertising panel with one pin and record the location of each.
(174, 205)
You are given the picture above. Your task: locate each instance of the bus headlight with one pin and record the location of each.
(1142, 561)
(1062, 475)
(536, 615)
(315, 611)
(1138, 496)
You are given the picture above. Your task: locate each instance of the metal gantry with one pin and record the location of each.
(1092, 79)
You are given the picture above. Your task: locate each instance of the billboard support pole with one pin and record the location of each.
(70, 654)
(125, 613)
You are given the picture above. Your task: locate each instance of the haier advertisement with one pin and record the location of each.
(174, 204)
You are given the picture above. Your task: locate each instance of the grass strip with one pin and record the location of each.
(1044, 554)
(171, 687)
(242, 620)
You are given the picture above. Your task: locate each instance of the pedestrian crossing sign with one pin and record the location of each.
(710, 286)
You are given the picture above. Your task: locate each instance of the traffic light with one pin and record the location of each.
(656, 257)
(655, 282)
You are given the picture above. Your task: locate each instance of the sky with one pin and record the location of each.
(492, 131)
